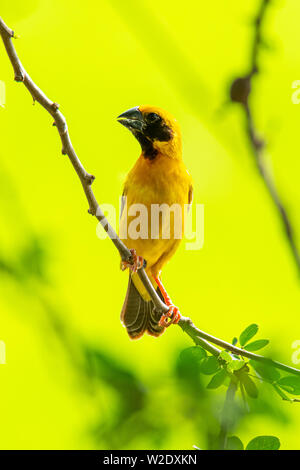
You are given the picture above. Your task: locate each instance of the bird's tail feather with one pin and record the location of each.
(138, 315)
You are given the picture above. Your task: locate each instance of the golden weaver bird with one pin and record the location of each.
(159, 176)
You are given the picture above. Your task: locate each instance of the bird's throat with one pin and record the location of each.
(148, 150)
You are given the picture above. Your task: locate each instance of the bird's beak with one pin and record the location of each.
(132, 119)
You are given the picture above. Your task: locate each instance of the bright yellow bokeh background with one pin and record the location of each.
(97, 59)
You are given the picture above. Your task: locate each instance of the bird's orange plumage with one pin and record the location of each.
(161, 179)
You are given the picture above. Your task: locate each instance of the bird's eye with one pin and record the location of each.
(153, 117)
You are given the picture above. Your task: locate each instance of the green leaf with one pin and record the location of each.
(269, 373)
(264, 443)
(256, 345)
(290, 384)
(281, 393)
(236, 364)
(234, 341)
(218, 379)
(195, 353)
(234, 443)
(248, 333)
(249, 385)
(209, 365)
(225, 356)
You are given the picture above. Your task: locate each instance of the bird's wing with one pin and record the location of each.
(122, 219)
(190, 196)
(123, 202)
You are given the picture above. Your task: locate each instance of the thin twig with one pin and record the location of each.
(240, 93)
(198, 336)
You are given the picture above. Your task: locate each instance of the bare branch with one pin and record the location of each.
(240, 93)
(86, 179)
(199, 337)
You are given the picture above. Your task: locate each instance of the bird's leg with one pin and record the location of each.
(137, 262)
(172, 315)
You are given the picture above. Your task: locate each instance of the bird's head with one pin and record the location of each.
(156, 130)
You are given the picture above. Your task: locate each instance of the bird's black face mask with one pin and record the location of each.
(147, 128)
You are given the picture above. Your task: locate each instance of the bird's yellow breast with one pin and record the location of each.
(161, 181)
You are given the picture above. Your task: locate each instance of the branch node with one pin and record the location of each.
(19, 77)
(55, 106)
(89, 178)
(91, 211)
(240, 90)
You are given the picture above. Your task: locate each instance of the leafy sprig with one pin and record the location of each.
(227, 368)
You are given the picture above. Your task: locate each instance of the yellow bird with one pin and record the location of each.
(158, 184)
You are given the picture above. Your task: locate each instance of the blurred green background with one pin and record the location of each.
(73, 379)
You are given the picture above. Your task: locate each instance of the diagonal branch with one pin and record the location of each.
(86, 179)
(240, 93)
